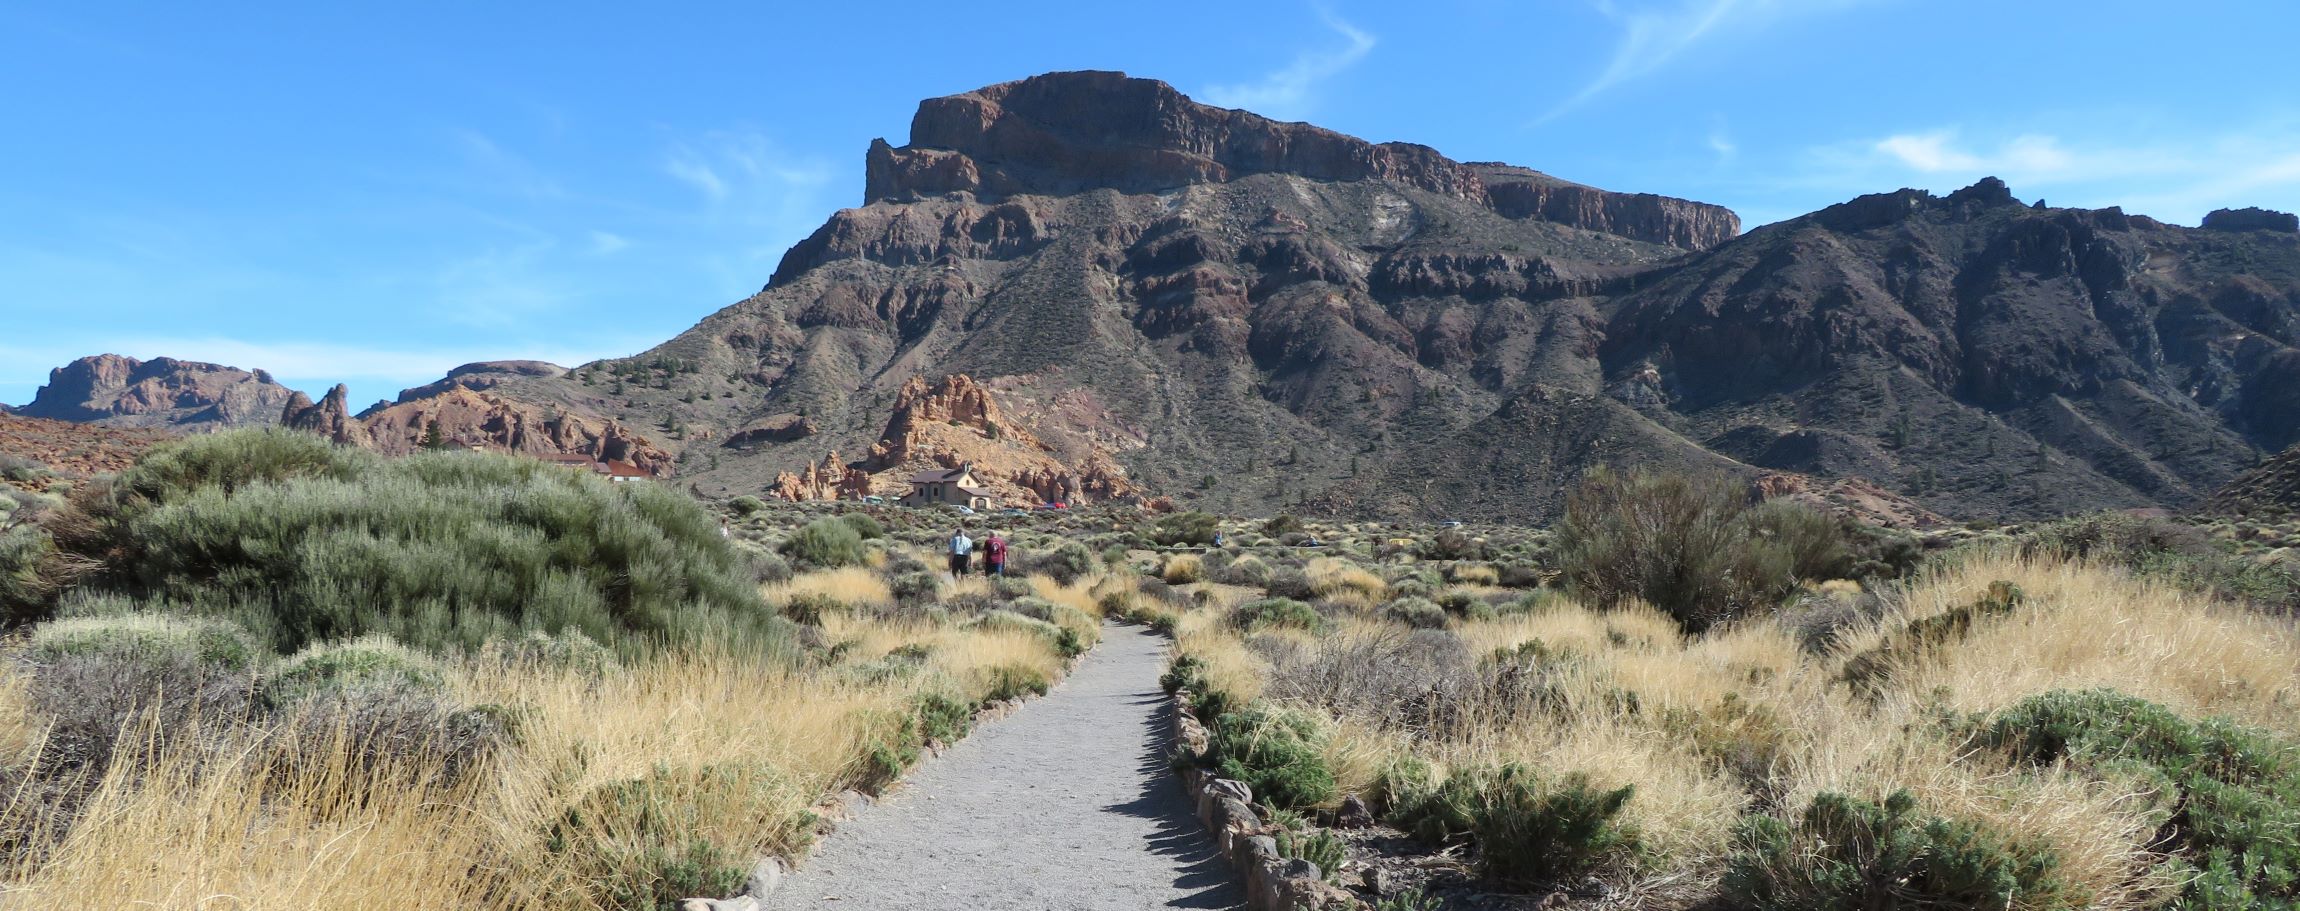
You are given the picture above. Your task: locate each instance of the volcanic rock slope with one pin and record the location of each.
(163, 392)
(1252, 315)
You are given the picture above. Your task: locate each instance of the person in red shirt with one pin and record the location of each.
(994, 556)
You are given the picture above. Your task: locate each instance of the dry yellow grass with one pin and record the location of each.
(247, 828)
(1330, 577)
(1713, 713)
(1182, 569)
(853, 586)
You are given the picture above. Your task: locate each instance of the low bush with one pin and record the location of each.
(826, 544)
(1276, 612)
(865, 527)
(1693, 548)
(1185, 528)
(2184, 555)
(1419, 613)
(567, 651)
(370, 663)
(1275, 753)
(1528, 831)
(746, 505)
(640, 843)
(1182, 569)
(1065, 563)
(1014, 681)
(1320, 848)
(93, 679)
(1473, 574)
(1281, 525)
(302, 542)
(1868, 671)
(1846, 854)
(2237, 788)
(809, 608)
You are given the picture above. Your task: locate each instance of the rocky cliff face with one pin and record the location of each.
(1091, 287)
(958, 421)
(1254, 315)
(485, 420)
(482, 375)
(2270, 490)
(162, 392)
(1067, 133)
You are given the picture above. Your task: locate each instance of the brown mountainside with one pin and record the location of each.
(161, 393)
(1159, 297)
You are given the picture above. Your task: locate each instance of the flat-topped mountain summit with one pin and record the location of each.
(1165, 298)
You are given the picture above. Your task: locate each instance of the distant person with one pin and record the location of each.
(725, 530)
(961, 547)
(994, 556)
(1219, 539)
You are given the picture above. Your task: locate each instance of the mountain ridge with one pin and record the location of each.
(1163, 297)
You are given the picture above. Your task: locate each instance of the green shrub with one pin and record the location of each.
(1527, 830)
(1193, 528)
(746, 505)
(2237, 788)
(808, 608)
(635, 843)
(1014, 681)
(1846, 854)
(915, 588)
(825, 544)
(1815, 540)
(1066, 563)
(301, 543)
(1281, 525)
(2178, 553)
(1275, 753)
(1320, 848)
(369, 663)
(1419, 613)
(209, 642)
(1414, 899)
(943, 718)
(865, 527)
(1691, 547)
(1869, 671)
(1276, 612)
(1186, 674)
(569, 650)
(230, 461)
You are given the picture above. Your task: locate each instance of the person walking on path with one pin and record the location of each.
(961, 547)
(994, 555)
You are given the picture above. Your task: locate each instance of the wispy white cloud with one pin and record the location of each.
(504, 169)
(729, 163)
(698, 173)
(1655, 32)
(1721, 143)
(2176, 181)
(1288, 93)
(606, 242)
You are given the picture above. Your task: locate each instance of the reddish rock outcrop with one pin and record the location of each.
(484, 420)
(162, 392)
(330, 417)
(481, 375)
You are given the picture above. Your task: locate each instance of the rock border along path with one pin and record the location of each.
(1064, 805)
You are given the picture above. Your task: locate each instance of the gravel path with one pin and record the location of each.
(1065, 804)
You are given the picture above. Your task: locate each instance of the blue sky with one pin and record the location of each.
(372, 193)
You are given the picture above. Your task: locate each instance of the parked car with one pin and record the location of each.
(962, 510)
(1450, 523)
